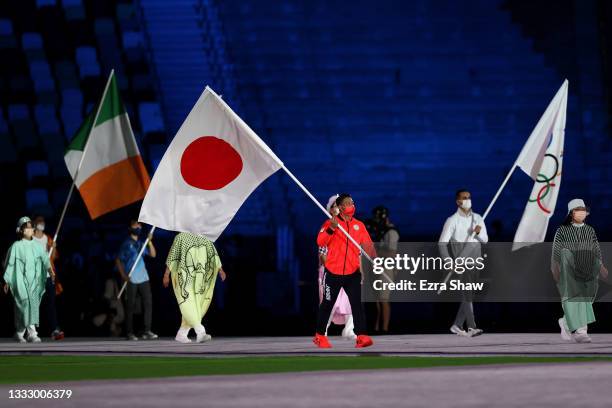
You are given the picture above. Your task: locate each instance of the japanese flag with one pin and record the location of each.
(212, 165)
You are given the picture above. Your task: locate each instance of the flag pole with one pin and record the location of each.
(325, 211)
(487, 211)
(61, 220)
(140, 253)
(499, 191)
(314, 200)
(269, 151)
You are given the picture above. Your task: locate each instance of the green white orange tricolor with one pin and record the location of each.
(112, 173)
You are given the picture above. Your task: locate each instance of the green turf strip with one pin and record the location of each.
(32, 369)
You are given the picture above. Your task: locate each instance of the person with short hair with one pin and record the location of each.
(341, 313)
(138, 283)
(464, 230)
(343, 269)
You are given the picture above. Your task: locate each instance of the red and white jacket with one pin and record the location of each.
(343, 255)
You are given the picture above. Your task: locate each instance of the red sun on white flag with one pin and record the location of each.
(210, 163)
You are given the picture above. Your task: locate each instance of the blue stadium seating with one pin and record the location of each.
(36, 169)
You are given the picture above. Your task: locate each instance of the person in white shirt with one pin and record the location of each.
(464, 230)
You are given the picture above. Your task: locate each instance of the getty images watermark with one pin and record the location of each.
(412, 265)
(495, 272)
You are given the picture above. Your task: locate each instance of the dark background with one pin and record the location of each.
(399, 103)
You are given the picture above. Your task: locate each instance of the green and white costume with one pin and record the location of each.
(194, 263)
(25, 272)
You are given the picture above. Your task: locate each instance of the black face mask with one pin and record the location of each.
(135, 231)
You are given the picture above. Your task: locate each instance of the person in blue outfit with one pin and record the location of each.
(138, 281)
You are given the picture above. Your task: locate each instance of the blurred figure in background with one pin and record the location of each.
(52, 287)
(387, 236)
(138, 282)
(25, 275)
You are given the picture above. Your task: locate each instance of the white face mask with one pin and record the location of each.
(466, 204)
(40, 227)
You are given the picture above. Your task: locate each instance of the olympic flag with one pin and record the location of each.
(542, 159)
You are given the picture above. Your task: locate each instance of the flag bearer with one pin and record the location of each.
(465, 231)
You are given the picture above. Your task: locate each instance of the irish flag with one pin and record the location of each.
(103, 157)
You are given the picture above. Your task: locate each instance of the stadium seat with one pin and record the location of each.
(37, 198)
(151, 119)
(36, 169)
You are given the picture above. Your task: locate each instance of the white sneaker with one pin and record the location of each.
(34, 339)
(203, 338)
(458, 331)
(182, 339)
(581, 338)
(19, 337)
(565, 333)
(201, 335)
(348, 334)
(474, 332)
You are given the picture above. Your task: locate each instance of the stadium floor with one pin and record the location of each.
(502, 370)
(531, 344)
(533, 385)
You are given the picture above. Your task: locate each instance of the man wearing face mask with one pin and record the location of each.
(341, 313)
(464, 230)
(25, 275)
(342, 269)
(52, 286)
(138, 282)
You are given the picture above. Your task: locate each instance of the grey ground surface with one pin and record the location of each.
(541, 385)
(546, 344)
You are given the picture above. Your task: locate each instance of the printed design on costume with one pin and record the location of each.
(356, 227)
(186, 256)
(327, 292)
(542, 178)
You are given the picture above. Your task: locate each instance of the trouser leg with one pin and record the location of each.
(469, 315)
(352, 287)
(130, 303)
(331, 288)
(147, 304)
(461, 314)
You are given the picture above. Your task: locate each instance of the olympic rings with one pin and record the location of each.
(541, 178)
(554, 173)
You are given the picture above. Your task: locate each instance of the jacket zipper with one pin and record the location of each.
(348, 231)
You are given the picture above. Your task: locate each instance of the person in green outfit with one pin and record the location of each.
(576, 264)
(25, 275)
(193, 265)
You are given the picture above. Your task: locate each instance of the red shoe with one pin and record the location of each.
(58, 335)
(363, 340)
(321, 341)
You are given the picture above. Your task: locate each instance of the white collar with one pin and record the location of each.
(578, 225)
(464, 215)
